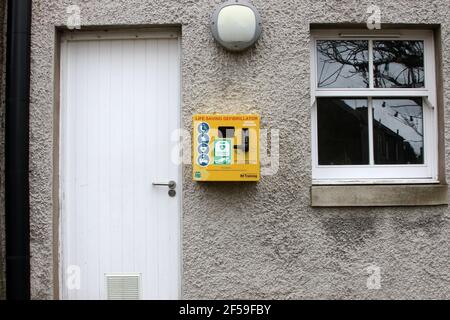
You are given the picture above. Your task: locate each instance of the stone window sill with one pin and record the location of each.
(378, 195)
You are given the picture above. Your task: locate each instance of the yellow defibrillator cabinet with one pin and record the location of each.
(226, 147)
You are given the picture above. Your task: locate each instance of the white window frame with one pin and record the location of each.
(379, 174)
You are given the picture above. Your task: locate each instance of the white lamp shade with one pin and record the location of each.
(236, 23)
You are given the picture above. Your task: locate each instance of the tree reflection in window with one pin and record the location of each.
(343, 64)
(398, 64)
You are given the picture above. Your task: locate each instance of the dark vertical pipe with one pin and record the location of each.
(16, 150)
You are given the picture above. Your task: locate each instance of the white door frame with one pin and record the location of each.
(61, 66)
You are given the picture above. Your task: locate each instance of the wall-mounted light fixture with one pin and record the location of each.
(236, 24)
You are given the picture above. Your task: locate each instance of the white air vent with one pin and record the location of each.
(123, 286)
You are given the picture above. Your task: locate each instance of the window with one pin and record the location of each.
(373, 99)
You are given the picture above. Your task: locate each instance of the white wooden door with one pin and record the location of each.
(119, 106)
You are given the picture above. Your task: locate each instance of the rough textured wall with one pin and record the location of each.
(258, 240)
(2, 146)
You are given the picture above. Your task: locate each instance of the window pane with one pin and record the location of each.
(398, 64)
(398, 131)
(342, 131)
(342, 64)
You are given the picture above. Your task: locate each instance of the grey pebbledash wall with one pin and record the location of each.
(2, 146)
(257, 240)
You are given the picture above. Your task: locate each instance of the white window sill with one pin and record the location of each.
(379, 195)
(375, 182)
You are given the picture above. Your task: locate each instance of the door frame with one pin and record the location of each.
(62, 37)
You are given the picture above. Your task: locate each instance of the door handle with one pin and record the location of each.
(171, 184)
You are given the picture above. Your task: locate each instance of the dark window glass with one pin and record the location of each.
(342, 64)
(398, 64)
(398, 131)
(342, 131)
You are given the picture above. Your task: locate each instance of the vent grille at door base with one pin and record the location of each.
(123, 286)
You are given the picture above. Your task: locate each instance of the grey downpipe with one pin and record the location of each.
(17, 207)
